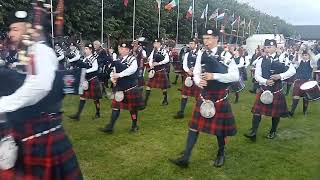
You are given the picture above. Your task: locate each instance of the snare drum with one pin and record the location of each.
(237, 86)
(312, 90)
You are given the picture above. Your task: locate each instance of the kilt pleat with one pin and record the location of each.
(48, 157)
(160, 80)
(296, 88)
(94, 91)
(222, 124)
(133, 100)
(278, 108)
(193, 91)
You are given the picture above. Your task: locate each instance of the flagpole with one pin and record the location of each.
(52, 34)
(159, 7)
(102, 21)
(133, 20)
(206, 16)
(238, 31)
(177, 36)
(192, 18)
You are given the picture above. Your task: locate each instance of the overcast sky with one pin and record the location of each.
(296, 12)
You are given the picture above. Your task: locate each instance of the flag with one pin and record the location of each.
(205, 13)
(189, 12)
(215, 14)
(243, 22)
(220, 17)
(236, 21)
(171, 5)
(159, 3)
(125, 2)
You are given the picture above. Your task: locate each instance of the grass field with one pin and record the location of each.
(294, 154)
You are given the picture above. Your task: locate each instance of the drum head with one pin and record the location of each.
(266, 97)
(119, 96)
(308, 85)
(207, 109)
(85, 85)
(188, 82)
(151, 74)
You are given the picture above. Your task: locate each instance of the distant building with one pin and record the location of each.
(308, 32)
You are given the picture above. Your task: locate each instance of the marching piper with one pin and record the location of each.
(269, 100)
(127, 93)
(212, 114)
(158, 61)
(141, 56)
(189, 87)
(60, 56)
(92, 86)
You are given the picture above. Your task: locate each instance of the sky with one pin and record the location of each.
(296, 12)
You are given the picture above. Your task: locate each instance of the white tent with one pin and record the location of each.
(258, 40)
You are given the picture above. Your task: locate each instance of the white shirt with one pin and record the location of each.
(131, 69)
(165, 61)
(114, 56)
(313, 63)
(76, 58)
(241, 63)
(262, 81)
(35, 87)
(246, 61)
(231, 76)
(94, 65)
(226, 56)
(185, 61)
(61, 54)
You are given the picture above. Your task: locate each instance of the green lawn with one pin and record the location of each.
(294, 154)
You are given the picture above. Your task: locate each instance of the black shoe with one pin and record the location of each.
(179, 89)
(180, 162)
(106, 129)
(164, 103)
(252, 91)
(252, 136)
(174, 83)
(219, 161)
(179, 115)
(291, 114)
(97, 116)
(134, 129)
(236, 100)
(271, 135)
(75, 117)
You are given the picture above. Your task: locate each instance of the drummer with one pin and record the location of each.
(304, 67)
(213, 77)
(270, 73)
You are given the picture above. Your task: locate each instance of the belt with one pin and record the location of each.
(130, 88)
(217, 101)
(273, 92)
(161, 70)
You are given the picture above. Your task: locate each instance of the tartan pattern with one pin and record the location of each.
(193, 91)
(49, 157)
(141, 82)
(278, 108)
(133, 100)
(223, 122)
(296, 88)
(160, 80)
(94, 90)
(177, 66)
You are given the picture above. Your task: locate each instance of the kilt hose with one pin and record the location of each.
(222, 123)
(48, 157)
(278, 108)
(132, 101)
(296, 88)
(160, 80)
(193, 91)
(94, 91)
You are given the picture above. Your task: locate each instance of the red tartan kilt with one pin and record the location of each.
(160, 80)
(277, 109)
(49, 157)
(223, 122)
(290, 80)
(94, 91)
(177, 67)
(133, 100)
(296, 88)
(193, 91)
